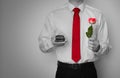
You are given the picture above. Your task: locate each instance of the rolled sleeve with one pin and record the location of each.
(46, 34)
(103, 37)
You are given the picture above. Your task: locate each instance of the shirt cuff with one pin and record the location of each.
(104, 49)
(46, 45)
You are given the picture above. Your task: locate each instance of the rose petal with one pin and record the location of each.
(92, 20)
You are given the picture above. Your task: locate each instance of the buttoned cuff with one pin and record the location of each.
(46, 45)
(104, 49)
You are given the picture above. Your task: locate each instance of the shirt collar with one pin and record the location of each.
(81, 6)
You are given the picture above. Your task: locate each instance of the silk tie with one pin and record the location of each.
(76, 56)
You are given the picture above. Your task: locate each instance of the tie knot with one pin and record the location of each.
(76, 10)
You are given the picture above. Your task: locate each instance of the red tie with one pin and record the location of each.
(76, 36)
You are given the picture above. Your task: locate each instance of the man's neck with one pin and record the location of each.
(76, 3)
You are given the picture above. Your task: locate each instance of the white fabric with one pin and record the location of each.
(60, 21)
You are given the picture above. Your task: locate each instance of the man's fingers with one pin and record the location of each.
(90, 42)
(90, 47)
(92, 39)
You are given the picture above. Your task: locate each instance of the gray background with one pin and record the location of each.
(20, 24)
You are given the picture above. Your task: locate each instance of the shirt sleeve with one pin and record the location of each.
(47, 32)
(103, 37)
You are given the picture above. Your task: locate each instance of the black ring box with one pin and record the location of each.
(59, 38)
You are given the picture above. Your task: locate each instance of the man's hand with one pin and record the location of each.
(93, 44)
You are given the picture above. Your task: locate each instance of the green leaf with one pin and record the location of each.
(89, 32)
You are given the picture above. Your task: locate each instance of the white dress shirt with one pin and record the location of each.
(60, 22)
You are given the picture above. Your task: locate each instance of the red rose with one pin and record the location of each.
(92, 20)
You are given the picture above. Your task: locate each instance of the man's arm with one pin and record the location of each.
(100, 45)
(47, 37)
(46, 34)
(103, 38)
